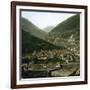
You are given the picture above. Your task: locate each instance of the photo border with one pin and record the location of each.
(13, 44)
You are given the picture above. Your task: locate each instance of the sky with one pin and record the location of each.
(44, 19)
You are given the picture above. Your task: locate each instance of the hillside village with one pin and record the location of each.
(57, 54)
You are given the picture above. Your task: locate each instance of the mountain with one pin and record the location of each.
(48, 28)
(28, 26)
(66, 32)
(70, 24)
(68, 28)
(31, 43)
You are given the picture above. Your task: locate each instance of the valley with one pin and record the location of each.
(55, 53)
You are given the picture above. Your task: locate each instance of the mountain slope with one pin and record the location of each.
(32, 29)
(69, 24)
(31, 43)
(48, 28)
